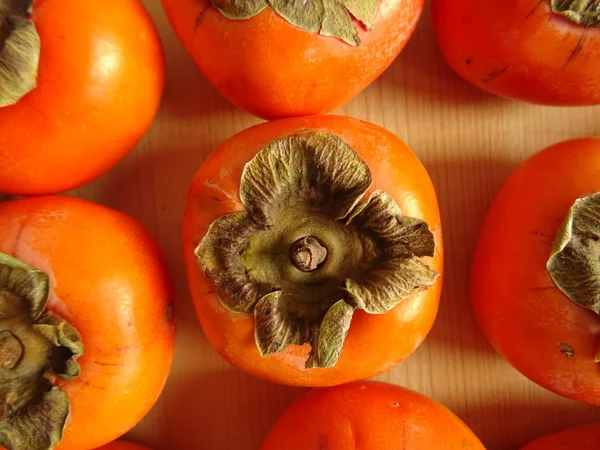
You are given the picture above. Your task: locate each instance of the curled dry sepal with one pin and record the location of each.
(304, 191)
(36, 347)
(574, 262)
(582, 12)
(326, 17)
(19, 51)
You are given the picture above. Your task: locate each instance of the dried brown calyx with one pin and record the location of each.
(574, 262)
(582, 12)
(19, 51)
(307, 253)
(36, 347)
(326, 17)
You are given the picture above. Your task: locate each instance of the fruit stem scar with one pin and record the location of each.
(307, 254)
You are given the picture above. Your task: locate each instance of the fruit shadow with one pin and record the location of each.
(223, 409)
(465, 186)
(513, 419)
(427, 76)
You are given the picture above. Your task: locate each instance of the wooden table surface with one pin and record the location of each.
(469, 141)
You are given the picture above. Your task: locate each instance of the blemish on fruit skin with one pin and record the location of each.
(396, 404)
(200, 17)
(494, 75)
(566, 350)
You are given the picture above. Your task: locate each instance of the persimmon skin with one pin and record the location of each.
(369, 416)
(275, 70)
(110, 282)
(100, 82)
(586, 437)
(520, 49)
(519, 308)
(375, 343)
(123, 445)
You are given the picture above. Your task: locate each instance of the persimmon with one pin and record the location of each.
(369, 416)
(541, 51)
(535, 275)
(586, 437)
(277, 58)
(87, 334)
(308, 235)
(123, 445)
(80, 83)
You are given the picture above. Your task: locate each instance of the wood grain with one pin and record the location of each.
(468, 140)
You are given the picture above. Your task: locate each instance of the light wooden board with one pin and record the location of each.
(468, 140)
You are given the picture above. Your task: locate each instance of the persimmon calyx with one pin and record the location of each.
(582, 12)
(19, 51)
(307, 252)
(36, 347)
(327, 17)
(574, 262)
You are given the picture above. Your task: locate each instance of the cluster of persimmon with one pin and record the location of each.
(313, 243)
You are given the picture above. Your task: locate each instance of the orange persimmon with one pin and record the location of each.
(273, 69)
(92, 282)
(586, 437)
(534, 278)
(541, 51)
(81, 91)
(306, 235)
(369, 416)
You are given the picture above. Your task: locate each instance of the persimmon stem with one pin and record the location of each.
(308, 254)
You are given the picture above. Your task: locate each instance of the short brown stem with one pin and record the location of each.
(11, 350)
(307, 254)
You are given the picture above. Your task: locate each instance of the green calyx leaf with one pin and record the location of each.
(23, 281)
(63, 336)
(19, 51)
(327, 17)
(240, 9)
(583, 12)
(35, 347)
(307, 252)
(40, 427)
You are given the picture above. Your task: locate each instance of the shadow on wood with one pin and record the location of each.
(212, 410)
(512, 421)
